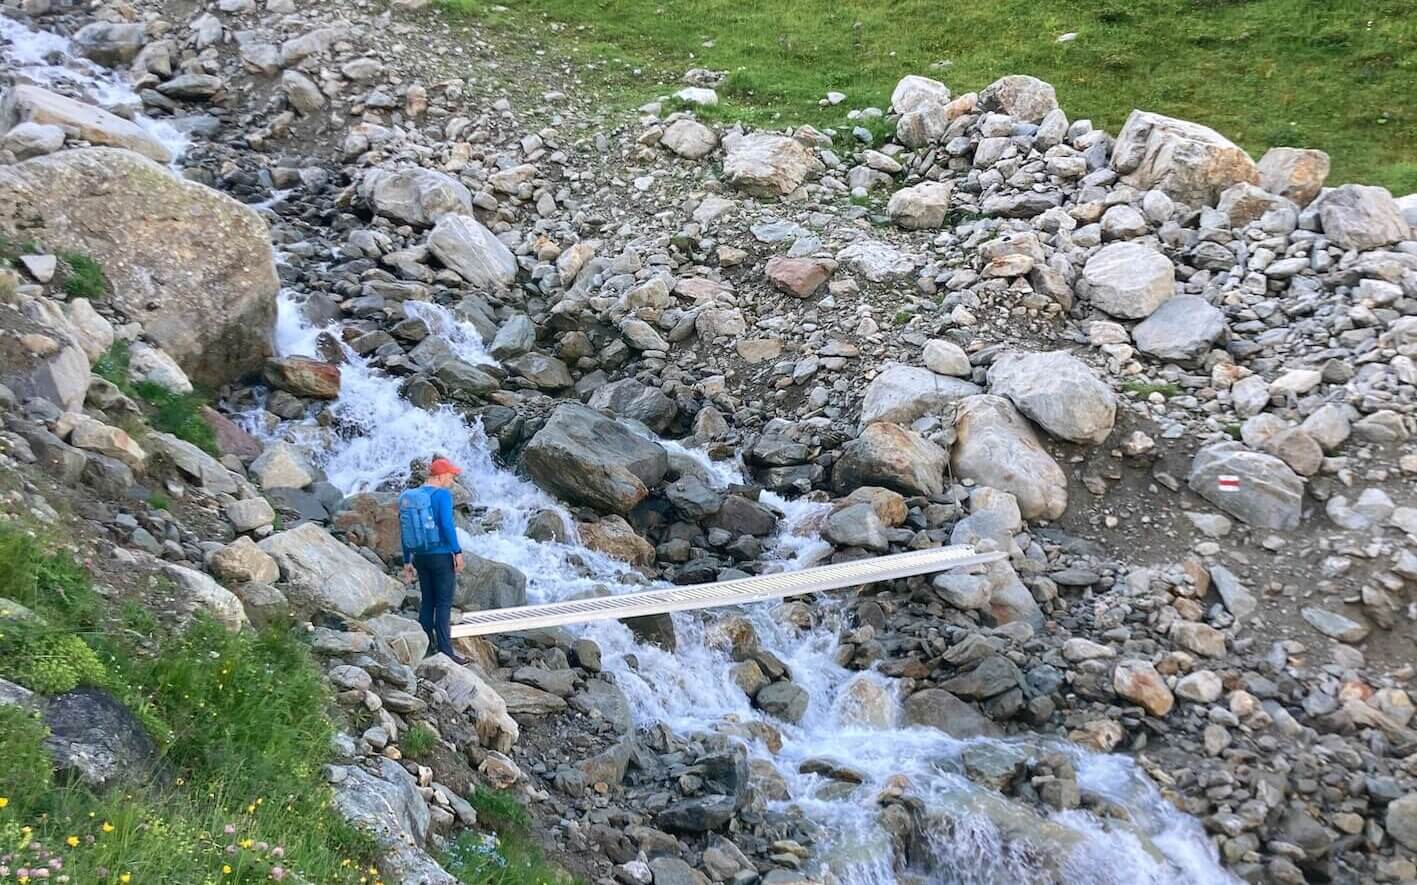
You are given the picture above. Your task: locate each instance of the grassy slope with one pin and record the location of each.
(1339, 75)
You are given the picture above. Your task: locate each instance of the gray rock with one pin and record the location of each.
(629, 398)
(202, 593)
(1183, 329)
(689, 138)
(877, 261)
(1237, 600)
(902, 394)
(1128, 280)
(386, 804)
(1270, 494)
(110, 43)
(1058, 391)
(588, 459)
(515, 337)
(937, 708)
(766, 165)
(697, 815)
(1335, 625)
(96, 740)
(1401, 821)
(31, 104)
(28, 140)
(470, 250)
(486, 584)
(1024, 97)
(785, 700)
(193, 463)
(322, 572)
(996, 447)
(1358, 216)
(693, 497)
(414, 195)
(1297, 174)
(1188, 162)
(993, 676)
(888, 455)
(215, 316)
(921, 206)
(857, 525)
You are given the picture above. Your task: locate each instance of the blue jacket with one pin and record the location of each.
(447, 531)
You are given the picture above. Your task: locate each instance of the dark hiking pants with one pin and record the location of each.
(436, 583)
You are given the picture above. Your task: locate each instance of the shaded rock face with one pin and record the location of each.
(191, 264)
(1183, 329)
(888, 455)
(937, 708)
(486, 583)
(1186, 161)
(1358, 216)
(996, 447)
(585, 458)
(96, 740)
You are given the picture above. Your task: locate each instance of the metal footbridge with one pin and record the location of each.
(736, 592)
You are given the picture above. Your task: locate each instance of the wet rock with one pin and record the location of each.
(487, 584)
(857, 525)
(937, 708)
(31, 104)
(785, 700)
(613, 536)
(304, 377)
(588, 459)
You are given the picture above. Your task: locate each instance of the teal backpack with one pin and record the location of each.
(416, 520)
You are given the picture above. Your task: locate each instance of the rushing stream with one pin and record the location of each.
(852, 717)
(690, 689)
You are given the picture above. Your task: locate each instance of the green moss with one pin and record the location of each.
(47, 660)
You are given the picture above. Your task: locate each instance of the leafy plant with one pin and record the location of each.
(179, 414)
(83, 277)
(45, 659)
(418, 740)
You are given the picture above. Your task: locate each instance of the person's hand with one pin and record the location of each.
(457, 563)
(408, 573)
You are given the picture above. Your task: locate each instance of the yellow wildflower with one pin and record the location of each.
(72, 841)
(226, 869)
(125, 878)
(4, 800)
(107, 827)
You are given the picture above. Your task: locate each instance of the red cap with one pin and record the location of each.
(441, 466)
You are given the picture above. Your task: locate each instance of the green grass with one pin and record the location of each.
(1337, 76)
(242, 725)
(179, 414)
(1144, 389)
(83, 277)
(159, 501)
(418, 740)
(511, 857)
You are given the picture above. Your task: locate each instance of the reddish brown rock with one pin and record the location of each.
(799, 276)
(371, 519)
(304, 377)
(613, 536)
(230, 438)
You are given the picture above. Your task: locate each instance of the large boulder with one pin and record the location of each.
(767, 165)
(1058, 391)
(384, 802)
(1188, 162)
(486, 583)
(921, 206)
(913, 92)
(630, 398)
(1297, 174)
(193, 463)
(204, 596)
(904, 393)
(371, 519)
(889, 455)
(472, 252)
(96, 740)
(1018, 95)
(1183, 329)
(40, 107)
(1361, 216)
(1269, 494)
(325, 574)
(415, 196)
(315, 379)
(469, 694)
(996, 447)
(1128, 280)
(586, 458)
(190, 264)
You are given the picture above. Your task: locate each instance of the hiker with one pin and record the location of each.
(431, 551)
